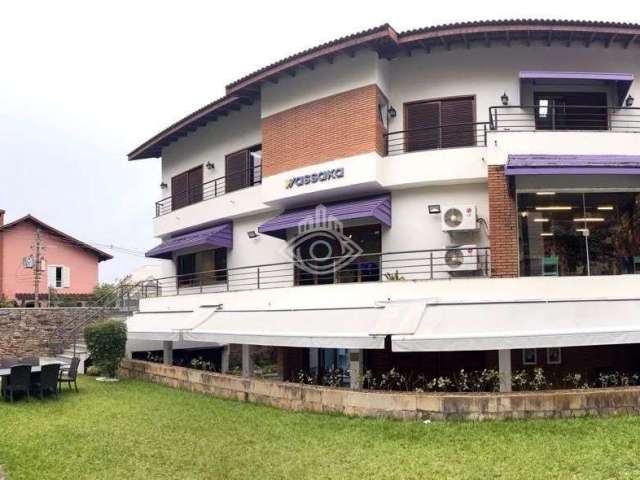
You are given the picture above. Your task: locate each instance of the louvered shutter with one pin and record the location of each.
(51, 277)
(237, 172)
(455, 112)
(195, 185)
(180, 191)
(66, 277)
(422, 122)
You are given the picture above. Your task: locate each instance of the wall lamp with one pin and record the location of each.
(392, 112)
(210, 165)
(629, 101)
(434, 209)
(163, 185)
(505, 99)
(252, 234)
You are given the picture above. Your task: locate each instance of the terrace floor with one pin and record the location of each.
(139, 430)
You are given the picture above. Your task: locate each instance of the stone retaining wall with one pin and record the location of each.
(26, 332)
(399, 405)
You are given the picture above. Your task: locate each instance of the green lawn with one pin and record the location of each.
(135, 430)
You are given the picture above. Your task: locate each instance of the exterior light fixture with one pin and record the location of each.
(392, 111)
(629, 101)
(545, 193)
(434, 209)
(163, 185)
(252, 234)
(210, 166)
(505, 99)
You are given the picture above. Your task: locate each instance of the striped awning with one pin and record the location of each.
(219, 236)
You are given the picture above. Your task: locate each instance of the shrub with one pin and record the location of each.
(106, 343)
(92, 371)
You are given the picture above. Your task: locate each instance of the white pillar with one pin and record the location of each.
(167, 352)
(356, 368)
(247, 361)
(224, 365)
(504, 365)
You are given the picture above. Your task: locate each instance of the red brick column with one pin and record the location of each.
(503, 224)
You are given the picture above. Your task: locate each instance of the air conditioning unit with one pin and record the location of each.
(461, 258)
(459, 218)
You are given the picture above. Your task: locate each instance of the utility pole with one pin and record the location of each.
(37, 249)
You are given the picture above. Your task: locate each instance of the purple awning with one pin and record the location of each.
(219, 236)
(622, 81)
(572, 164)
(376, 209)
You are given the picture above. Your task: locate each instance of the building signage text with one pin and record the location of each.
(315, 177)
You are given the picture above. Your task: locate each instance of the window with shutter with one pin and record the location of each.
(237, 173)
(186, 188)
(440, 123)
(66, 277)
(459, 113)
(422, 124)
(51, 276)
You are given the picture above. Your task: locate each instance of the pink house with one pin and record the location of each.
(68, 265)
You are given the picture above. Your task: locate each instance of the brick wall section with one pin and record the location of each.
(26, 332)
(330, 128)
(503, 226)
(400, 405)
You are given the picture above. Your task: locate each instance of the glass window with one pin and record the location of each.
(579, 233)
(202, 268)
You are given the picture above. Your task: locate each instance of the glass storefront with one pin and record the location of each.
(586, 233)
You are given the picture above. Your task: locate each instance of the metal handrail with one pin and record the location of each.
(564, 118)
(453, 135)
(210, 189)
(379, 266)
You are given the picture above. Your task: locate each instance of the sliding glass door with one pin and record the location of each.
(586, 233)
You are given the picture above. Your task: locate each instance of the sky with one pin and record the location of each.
(82, 83)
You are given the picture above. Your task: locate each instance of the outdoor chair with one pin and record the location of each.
(19, 381)
(70, 375)
(47, 381)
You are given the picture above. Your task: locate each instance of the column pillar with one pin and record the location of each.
(504, 365)
(356, 368)
(247, 361)
(167, 352)
(224, 359)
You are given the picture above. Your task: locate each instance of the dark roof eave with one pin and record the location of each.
(386, 41)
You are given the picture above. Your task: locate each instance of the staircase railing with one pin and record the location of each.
(122, 299)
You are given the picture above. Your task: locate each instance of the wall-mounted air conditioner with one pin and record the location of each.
(461, 258)
(459, 218)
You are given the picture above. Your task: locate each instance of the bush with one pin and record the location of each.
(92, 371)
(106, 343)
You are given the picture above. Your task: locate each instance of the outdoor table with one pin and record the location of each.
(5, 372)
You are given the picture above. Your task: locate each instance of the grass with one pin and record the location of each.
(136, 430)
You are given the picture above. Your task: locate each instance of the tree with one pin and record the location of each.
(103, 292)
(106, 342)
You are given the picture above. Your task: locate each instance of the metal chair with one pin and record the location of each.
(69, 375)
(19, 381)
(47, 381)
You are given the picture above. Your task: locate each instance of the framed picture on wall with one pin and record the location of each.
(529, 356)
(554, 356)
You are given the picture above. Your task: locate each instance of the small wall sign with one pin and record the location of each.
(27, 262)
(322, 176)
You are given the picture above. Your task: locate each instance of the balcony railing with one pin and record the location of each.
(528, 118)
(370, 267)
(432, 138)
(213, 188)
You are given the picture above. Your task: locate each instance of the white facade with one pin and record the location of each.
(414, 181)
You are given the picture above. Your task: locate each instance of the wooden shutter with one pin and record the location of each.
(237, 171)
(180, 191)
(51, 276)
(455, 112)
(195, 184)
(66, 277)
(422, 123)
